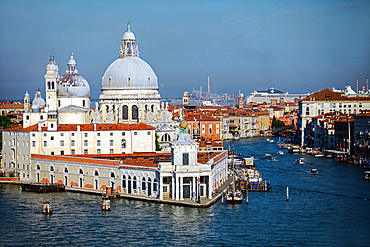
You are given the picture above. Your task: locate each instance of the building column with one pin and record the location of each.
(181, 188)
(173, 184)
(210, 186)
(161, 188)
(177, 188)
(194, 188)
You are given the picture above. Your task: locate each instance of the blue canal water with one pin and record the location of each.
(328, 209)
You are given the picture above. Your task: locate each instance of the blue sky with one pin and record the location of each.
(295, 46)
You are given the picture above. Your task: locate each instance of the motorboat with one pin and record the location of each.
(280, 152)
(299, 161)
(267, 139)
(367, 175)
(314, 171)
(319, 155)
(271, 141)
(234, 198)
(274, 159)
(267, 155)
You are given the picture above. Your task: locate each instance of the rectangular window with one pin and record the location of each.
(61, 152)
(111, 151)
(83, 103)
(61, 134)
(27, 117)
(45, 134)
(98, 151)
(85, 134)
(149, 133)
(98, 143)
(185, 159)
(111, 143)
(41, 117)
(52, 153)
(72, 151)
(73, 134)
(135, 133)
(45, 143)
(33, 134)
(62, 143)
(98, 134)
(51, 125)
(85, 151)
(33, 143)
(72, 143)
(111, 134)
(123, 133)
(85, 142)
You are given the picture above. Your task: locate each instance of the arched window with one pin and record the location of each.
(134, 186)
(65, 169)
(146, 108)
(155, 184)
(107, 108)
(52, 85)
(125, 112)
(112, 175)
(49, 85)
(143, 185)
(38, 167)
(81, 171)
(152, 108)
(123, 143)
(51, 168)
(96, 173)
(124, 181)
(135, 113)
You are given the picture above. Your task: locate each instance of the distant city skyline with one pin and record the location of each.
(293, 46)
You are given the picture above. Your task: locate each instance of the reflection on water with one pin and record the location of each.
(325, 209)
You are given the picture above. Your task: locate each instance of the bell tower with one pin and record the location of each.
(51, 78)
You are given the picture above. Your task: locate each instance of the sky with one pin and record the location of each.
(295, 46)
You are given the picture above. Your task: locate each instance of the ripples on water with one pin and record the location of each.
(324, 210)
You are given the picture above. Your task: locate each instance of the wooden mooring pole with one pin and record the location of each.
(247, 197)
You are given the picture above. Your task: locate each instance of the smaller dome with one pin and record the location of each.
(73, 85)
(129, 35)
(38, 102)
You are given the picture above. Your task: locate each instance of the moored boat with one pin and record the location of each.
(314, 171)
(234, 198)
(367, 175)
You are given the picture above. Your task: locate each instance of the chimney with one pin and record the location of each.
(209, 87)
(357, 86)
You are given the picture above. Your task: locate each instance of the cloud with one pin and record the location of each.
(349, 5)
(244, 19)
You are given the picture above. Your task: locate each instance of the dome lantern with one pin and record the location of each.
(128, 47)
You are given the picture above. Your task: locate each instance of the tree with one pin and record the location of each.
(276, 123)
(157, 146)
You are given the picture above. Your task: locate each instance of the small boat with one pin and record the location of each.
(319, 155)
(299, 161)
(274, 159)
(232, 198)
(267, 155)
(271, 141)
(267, 139)
(367, 175)
(280, 152)
(314, 171)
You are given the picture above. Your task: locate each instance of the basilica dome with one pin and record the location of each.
(129, 71)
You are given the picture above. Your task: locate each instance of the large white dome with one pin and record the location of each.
(129, 72)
